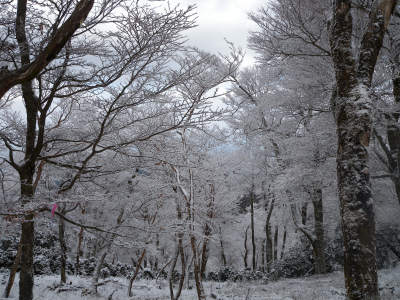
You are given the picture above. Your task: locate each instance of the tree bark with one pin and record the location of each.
(319, 242)
(268, 231)
(253, 240)
(246, 250)
(283, 242)
(221, 243)
(197, 275)
(78, 251)
(97, 269)
(276, 243)
(26, 281)
(13, 271)
(178, 250)
(263, 247)
(353, 109)
(63, 247)
(205, 252)
(136, 272)
(316, 236)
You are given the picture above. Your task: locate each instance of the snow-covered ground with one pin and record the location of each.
(319, 287)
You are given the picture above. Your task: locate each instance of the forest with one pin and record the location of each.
(136, 165)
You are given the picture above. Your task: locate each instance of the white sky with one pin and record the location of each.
(219, 19)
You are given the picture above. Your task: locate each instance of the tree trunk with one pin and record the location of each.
(174, 260)
(197, 275)
(136, 273)
(246, 251)
(354, 117)
(263, 247)
(253, 240)
(13, 271)
(394, 138)
(304, 208)
(315, 238)
(26, 281)
(178, 251)
(97, 269)
(78, 251)
(63, 247)
(283, 242)
(221, 243)
(319, 243)
(158, 249)
(268, 231)
(276, 243)
(205, 252)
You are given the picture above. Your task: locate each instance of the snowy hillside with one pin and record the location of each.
(317, 287)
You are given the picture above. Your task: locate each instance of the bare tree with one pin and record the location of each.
(57, 36)
(116, 81)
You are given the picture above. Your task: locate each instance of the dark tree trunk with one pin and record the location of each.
(276, 243)
(13, 271)
(253, 240)
(283, 242)
(319, 242)
(304, 208)
(23, 76)
(393, 136)
(158, 248)
(268, 231)
(63, 247)
(197, 275)
(205, 252)
(246, 250)
(354, 117)
(316, 236)
(263, 247)
(178, 252)
(26, 282)
(136, 272)
(78, 251)
(221, 243)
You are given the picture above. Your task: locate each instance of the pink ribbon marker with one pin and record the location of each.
(53, 208)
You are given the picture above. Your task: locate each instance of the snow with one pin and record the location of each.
(317, 287)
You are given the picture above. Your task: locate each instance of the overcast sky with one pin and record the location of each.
(219, 19)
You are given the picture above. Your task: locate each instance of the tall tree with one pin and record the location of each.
(353, 112)
(123, 96)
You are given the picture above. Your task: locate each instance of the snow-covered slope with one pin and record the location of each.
(319, 287)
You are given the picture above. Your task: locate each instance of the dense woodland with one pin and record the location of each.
(125, 149)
